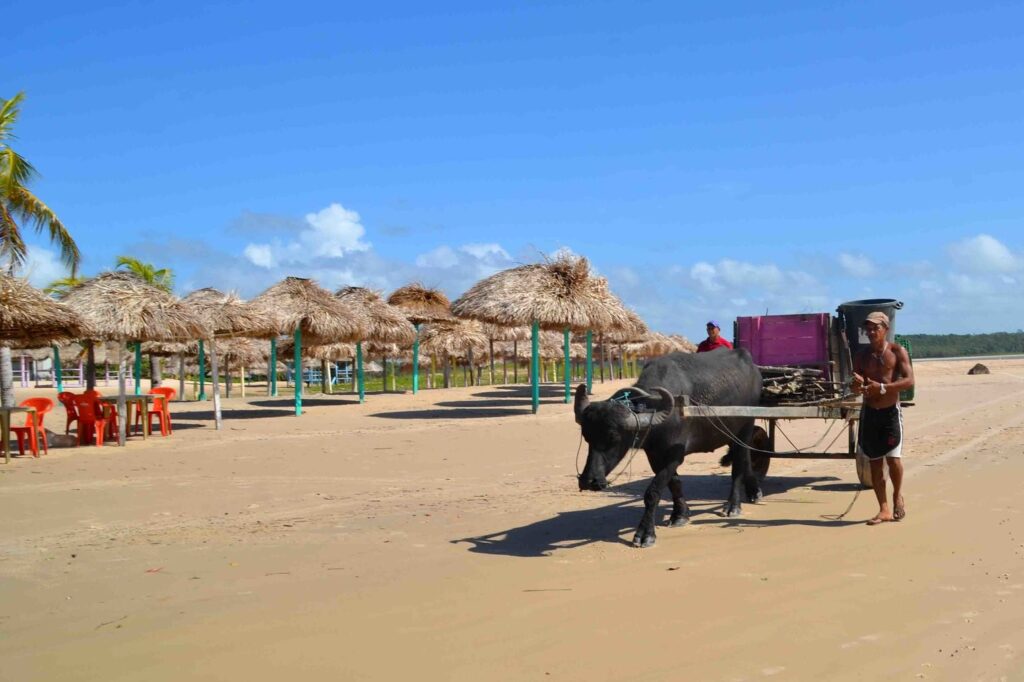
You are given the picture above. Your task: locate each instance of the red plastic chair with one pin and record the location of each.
(161, 409)
(33, 429)
(67, 399)
(92, 424)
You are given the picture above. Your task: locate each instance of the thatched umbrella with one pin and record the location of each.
(119, 306)
(388, 324)
(421, 305)
(454, 338)
(302, 308)
(224, 314)
(560, 294)
(28, 316)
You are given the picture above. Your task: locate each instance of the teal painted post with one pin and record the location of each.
(416, 362)
(535, 366)
(138, 368)
(58, 371)
(590, 362)
(359, 371)
(298, 371)
(565, 367)
(202, 371)
(273, 367)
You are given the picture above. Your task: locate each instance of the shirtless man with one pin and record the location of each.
(880, 372)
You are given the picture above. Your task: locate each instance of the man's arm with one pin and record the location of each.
(904, 370)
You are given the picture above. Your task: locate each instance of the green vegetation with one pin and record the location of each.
(954, 345)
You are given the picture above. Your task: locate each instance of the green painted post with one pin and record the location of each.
(590, 362)
(202, 371)
(359, 371)
(565, 367)
(138, 368)
(298, 371)
(58, 371)
(535, 366)
(416, 362)
(273, 367)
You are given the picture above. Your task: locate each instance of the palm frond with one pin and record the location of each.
(8, 115)
(13, 251)
(32, 209)
(15, 170)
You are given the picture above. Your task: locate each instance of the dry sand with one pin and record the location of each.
(441, 536)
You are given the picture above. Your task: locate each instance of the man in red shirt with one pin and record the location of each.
(714, 339)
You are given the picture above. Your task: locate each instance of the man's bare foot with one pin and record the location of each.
(879, 518)
(899, 510)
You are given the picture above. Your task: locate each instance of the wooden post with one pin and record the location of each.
(181, 376)
(241, 378)
(298, 371)
(138, 368)
(534, 366)
(272, 369)
(515, 361)
(416, 361)
(215, 378)
(122, 406)
(359, 372)
(568, 360)
(590, 362)
(325, 377)
(58, 371)
(202, 371)
(227, 377)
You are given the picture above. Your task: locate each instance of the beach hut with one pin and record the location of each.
(303, 309)
(421, 305)
(386, 325)
(560, 294)
(118, 306)
(28, 317)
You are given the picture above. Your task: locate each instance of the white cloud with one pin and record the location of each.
(736, 275)
(43, 266)
(441, 257)
(704, 274)
(332, 232)
(260, 255)
(486, 251)
(857, 266)
(983, 254)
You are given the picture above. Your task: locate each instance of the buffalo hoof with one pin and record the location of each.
(754, 495)
(644, 539)
(678, 520)
(733, 510)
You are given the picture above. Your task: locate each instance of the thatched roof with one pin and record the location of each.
(455, 337)
(633, 332)
(682, 343)
(169, 348)
(557, 294)
(500, 333)
(299, 303)
(119, 306)
(227, 315)
(387, 323)
(27, 315)
(243, 352)
(420, 304)
(329, 351)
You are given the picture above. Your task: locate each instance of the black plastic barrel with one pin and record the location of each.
(853, 313)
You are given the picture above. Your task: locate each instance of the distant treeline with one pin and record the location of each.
(953, 345)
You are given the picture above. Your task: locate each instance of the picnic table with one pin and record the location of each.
(140, 402)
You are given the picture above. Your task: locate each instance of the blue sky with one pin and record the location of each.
(711, 160)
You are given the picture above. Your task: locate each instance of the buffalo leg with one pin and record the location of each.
(645, 535)
(680, 510)
(742, 476)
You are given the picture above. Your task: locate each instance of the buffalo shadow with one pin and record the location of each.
(614, 523)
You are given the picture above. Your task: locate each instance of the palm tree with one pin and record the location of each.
(163, 278)
(18, 204)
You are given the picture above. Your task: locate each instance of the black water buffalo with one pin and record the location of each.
(646, 416)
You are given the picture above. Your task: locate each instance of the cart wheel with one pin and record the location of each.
(864, 471)
(759, 461)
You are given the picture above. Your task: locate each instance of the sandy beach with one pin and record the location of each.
(441, 536)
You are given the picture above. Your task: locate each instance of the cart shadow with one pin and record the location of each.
(614, 523)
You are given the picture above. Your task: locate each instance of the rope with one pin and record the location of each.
(724, 430)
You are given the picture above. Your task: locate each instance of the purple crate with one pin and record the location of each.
(794, 340)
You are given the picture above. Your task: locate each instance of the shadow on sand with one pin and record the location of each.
(462, 413)
(614, 523)
(316, 401)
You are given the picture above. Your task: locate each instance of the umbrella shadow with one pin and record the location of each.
(306, 402)
(463, 413)
(228, 413)
(508, 402)
(521, 391)
(614, 522)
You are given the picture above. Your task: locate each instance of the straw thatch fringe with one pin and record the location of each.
(420, 304)
(227, 315)
(299, 303)
(119, 306)
(28, 316)
(387, 324)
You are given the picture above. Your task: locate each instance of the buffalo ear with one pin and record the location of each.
(582, 402)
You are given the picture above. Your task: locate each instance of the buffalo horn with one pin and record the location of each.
(647, 419)
(582, 401)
